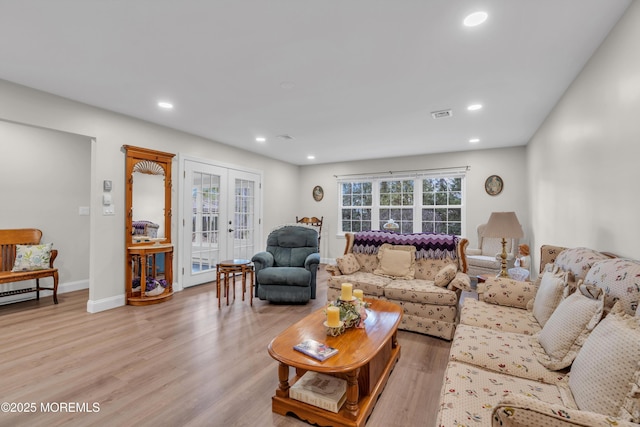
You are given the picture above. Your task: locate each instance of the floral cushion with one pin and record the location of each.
(504, 352)
(348, 264)
(419, 291)
(578, 261)
(434, 327)
(445, 275)
(469, 394)
(499, 318)
(507, 292)
(369, 283)
(568, 327)
(620, 280)
(32, 257)
(549, 293)
(397, 261)
(604, 375)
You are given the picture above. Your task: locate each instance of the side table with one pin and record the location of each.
(228, 269)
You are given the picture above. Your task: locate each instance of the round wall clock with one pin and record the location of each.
(493, 185)
(318, 193)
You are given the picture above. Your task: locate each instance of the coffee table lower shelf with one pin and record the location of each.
(373, 376)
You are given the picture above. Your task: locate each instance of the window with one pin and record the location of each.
(418, 203)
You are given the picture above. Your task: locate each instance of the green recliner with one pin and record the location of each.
(286, 271)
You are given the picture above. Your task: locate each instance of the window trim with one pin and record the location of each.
(417, 176)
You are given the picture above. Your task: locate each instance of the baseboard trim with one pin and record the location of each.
(96, 306)
(62, 288)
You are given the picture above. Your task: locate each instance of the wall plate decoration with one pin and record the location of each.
(493, 185)
(318, 193)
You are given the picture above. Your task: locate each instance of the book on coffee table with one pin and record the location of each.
(321, 390)
(315, 349)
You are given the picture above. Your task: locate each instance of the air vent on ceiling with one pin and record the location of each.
(441, 114)
(285, 136)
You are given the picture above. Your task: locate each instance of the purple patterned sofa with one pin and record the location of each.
(562, 351)
(422, 272)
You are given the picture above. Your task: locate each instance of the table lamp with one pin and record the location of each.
(503, 225)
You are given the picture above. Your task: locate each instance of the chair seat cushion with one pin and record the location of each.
(483, 261)
(371, 284)
(498, 318)
(419, 291)
(292, 276)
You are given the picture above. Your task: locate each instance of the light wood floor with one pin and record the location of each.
(180, 363)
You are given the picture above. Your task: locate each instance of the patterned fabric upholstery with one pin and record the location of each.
(496, 376)
(504, 352)
(469, 394)
(499, 318)
(428, 309)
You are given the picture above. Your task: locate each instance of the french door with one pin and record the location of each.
(219, 218)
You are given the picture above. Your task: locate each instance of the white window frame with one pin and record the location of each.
(417, 177)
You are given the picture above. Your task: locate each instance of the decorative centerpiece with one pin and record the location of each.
(347, 312)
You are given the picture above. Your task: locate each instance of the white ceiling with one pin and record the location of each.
(347, 79)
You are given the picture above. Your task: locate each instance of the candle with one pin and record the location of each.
(359, 293)
(346, 292)
(333, 317)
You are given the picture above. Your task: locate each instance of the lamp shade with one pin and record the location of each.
(503, 224)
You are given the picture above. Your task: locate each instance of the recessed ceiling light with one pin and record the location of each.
(474, 140)
(475, 18)
(474, 107)
(311, 157)
(261, 139)
(166, 105)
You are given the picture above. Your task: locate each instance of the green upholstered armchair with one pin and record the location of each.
(286, 271)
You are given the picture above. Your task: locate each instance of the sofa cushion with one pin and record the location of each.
(348, 264)
(397, 261)
(603, 374)
(578, 261)
(469, 394)
(549, 293)
(499, 318)
(419, 291)
(501, 291)
(505, 352)
(568, 327)
(619, 278)
(291, 276)
(369, 283)
(445, 275)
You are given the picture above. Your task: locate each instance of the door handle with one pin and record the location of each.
(231, 229)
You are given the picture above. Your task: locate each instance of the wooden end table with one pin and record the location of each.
(228, 269)
(366, 356)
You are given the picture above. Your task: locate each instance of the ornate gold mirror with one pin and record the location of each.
(149, 250)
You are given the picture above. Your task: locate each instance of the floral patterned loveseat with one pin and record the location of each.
(422, 272)
(563, 351)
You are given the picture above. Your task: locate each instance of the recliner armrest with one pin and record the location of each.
(516, 410)
(311, 260)
(262, 260)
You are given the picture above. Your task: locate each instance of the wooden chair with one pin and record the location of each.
(314, 222)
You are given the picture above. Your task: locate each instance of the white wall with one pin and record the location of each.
(508, 163)
(45, 179)
(583, 161)
(111, 131)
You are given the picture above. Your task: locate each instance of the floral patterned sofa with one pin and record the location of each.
(562, 351)
(422, 272)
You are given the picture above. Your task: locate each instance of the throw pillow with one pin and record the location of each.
(445, 275)
(348, 264)
(549, 294)
(569, 326)
(605, 373)
(396, 261)
(32, 257)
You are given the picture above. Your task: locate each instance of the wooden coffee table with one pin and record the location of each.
(365, 359)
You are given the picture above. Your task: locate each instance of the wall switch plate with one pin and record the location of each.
(108, 210)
